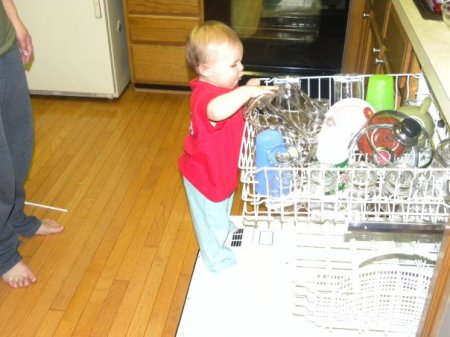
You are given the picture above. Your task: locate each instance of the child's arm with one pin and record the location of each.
(225, 105)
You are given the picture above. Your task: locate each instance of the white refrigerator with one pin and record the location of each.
(79, 47)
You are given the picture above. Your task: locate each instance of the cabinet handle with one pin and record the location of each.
(379, 61)
(376, 50)
(365, 15)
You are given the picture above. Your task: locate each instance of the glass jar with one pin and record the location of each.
(361, 179)
(323, 178)
(398, 187)
(281, 183)
(283, 158)
(443, 153)
(398, 181)
(430, 194)
(322, 182)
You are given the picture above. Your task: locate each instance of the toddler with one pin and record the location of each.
(209, 163)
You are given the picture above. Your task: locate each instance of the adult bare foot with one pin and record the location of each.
(19, 276)
(48, 227)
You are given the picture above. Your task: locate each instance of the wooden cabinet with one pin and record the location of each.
(357, 25)
(398, 49)
(376, 43)
(371, 59)
(382, 45)
(157, 32)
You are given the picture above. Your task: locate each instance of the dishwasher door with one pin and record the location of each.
(312, 280)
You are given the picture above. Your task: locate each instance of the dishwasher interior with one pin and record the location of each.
(351, 260)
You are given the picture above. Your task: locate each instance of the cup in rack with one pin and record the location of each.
(380, 92)
(347, 86)
(283, 158)
(360, 184)
(321, 186)
(265, 141)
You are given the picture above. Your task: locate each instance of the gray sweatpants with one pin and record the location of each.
(16, 149)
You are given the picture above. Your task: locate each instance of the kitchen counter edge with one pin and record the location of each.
(431, 43)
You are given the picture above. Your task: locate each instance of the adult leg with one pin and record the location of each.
(19, 133)
(12, 269)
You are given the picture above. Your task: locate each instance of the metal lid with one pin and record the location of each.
(407, 132)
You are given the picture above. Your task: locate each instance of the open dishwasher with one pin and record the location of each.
(354, 259)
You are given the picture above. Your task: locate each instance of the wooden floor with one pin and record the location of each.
(123, 264)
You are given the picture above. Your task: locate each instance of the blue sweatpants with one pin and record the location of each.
(211, 224)
(16, 149)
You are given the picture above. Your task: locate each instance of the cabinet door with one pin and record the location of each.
(373, 52)
(357, 25)
(379, 10)
(398, 48)
(408, 90)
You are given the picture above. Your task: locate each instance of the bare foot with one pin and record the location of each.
(48, 227)
(19, 276)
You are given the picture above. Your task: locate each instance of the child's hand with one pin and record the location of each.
(255, 91)
(254, 81)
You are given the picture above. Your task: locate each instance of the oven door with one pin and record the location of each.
(304, 37)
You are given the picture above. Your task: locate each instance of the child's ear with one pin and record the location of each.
(204, 70)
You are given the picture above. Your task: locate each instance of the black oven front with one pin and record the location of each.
(284, 37)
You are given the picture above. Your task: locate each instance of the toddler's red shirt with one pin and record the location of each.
(211, 153)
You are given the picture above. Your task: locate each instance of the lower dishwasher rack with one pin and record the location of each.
(370, 283)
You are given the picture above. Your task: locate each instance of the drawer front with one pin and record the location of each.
(157, 29)
(164, 7)
(156, 64)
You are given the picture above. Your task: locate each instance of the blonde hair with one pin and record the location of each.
(206, 38)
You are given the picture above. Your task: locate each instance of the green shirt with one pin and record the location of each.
(7, 32)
